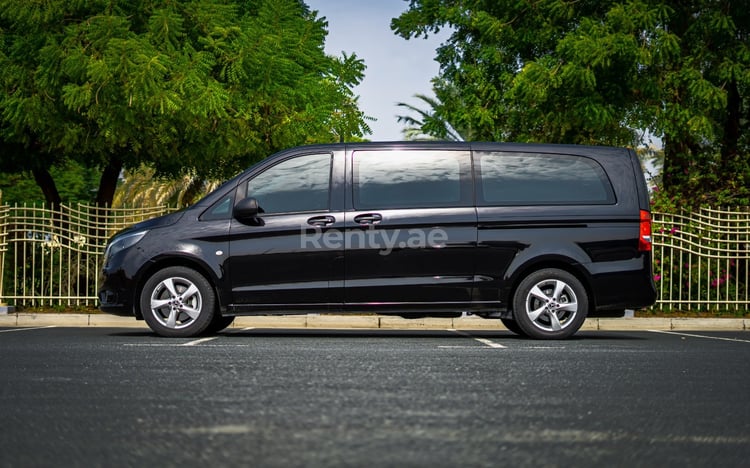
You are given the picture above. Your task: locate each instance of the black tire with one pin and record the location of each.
(511, 325)
(550, 304)
(218, 324)
(178, 302)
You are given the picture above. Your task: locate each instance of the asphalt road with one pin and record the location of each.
(119, 397)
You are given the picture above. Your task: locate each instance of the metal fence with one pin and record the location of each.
(53, 258)
(701, 259)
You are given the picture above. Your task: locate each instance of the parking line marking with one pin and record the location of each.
(484, 341)
(27, 329)
(490, 343)
(699, 336)
(199, 341)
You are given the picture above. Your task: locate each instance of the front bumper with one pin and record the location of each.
(109, 303)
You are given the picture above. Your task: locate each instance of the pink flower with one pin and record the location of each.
(657, 277)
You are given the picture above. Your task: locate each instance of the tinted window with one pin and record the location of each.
(297, 184)
(409, 179)
(541, 179)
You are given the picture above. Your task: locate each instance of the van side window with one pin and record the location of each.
(540, 179)
(411, 179)
(294, 185)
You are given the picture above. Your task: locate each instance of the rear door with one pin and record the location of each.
(410, 229)
(539, 207)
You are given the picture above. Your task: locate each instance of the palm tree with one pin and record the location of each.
(427, 125)
(141, 188)
(432, 122)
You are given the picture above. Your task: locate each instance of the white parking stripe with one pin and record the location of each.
(489, 343)
(26, 329)
(699, 336)
(484, 341)
(197, 342)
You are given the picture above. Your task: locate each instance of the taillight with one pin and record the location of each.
(644, 238)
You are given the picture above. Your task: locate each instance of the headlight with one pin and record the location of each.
(121, 243)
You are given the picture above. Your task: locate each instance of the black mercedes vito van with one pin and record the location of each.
(538, 236)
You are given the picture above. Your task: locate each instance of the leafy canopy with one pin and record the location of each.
(602, 72)
(205, 87)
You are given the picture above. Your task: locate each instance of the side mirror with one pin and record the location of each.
(246, 209)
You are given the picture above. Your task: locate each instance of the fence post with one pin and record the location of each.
(4, 308)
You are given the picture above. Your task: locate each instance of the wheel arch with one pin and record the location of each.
(170, 261)
(560, 263)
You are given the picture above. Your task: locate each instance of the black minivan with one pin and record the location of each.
(538, 236)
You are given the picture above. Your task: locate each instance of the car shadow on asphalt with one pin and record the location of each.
(372, 333)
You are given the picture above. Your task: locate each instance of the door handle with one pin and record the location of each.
(321, 221)
(368, 218)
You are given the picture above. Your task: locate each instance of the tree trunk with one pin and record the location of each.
(44, 180)
(729, 149)
(105, 195)
(676, 171)
(108, 183)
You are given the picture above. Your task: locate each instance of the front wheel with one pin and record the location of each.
(550, 304)
(178, 302)
(218, 324)
(512, 326)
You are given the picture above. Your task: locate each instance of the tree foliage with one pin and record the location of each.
(74, 182)
(602, 72)
(205, 87)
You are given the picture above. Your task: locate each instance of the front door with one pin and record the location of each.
(276, 258)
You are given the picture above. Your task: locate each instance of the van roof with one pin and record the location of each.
(584, 150)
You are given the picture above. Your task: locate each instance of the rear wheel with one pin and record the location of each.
(550, 304)
(178, 302)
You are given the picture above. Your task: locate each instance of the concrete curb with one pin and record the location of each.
(381, 322)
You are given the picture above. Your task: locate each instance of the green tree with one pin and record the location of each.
(602, 72)
(75, 183)
(205, 87)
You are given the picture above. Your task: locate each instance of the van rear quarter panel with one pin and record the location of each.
(597, 243)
